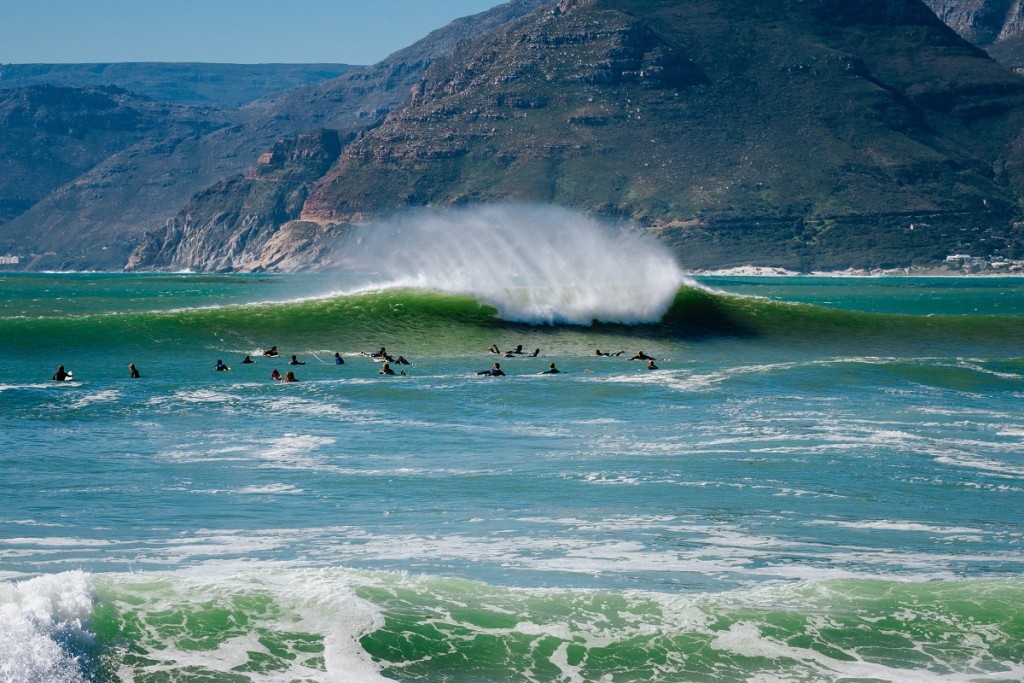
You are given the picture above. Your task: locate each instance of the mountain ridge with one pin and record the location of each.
(840, 125)
(112, 205)
(808, 135)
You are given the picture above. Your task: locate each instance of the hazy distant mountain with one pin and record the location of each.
(108, 203)
(196, 84)
(813, 135)
(51, 135)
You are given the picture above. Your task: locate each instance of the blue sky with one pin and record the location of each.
(239, 31)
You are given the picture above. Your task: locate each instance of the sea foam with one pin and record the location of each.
(535, 264)
(43, 622)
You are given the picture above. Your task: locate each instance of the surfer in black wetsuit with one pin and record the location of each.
(271, 352)
(552, 370)
(295, 361)
(493, 348)
(338, 360)
(133, 371)
(536, 352)
(402, 361)
(61, 374)
(247, 360)
(495, 371)
(651, 365)
(640, 355)
(220, 367)
(385, 369)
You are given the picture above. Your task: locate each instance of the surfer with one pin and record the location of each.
(493, 348)
(61, 374)
(651, 365)
(494, 371)
(295, 361)
(275, 375)
(220, 367)
(338, 360)
(385, 369)
(402, 361)
(247, 360)
(552, 370)
(536, 352)
(640, 355)
(289, 377)
(381, 355)
(133, 371)
(599, 352)
(271, 352)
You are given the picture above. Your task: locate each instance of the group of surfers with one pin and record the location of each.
(385, 359)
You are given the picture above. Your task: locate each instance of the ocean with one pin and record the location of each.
(823, 479)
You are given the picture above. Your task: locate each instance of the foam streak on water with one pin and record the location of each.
(535, 264)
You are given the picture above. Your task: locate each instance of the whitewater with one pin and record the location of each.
(821, 481)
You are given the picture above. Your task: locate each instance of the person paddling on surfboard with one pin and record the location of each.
(495, 371)
(61, 374)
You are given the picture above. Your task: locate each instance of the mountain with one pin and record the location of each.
(997, 26)
(50, 135)
(193, 84)
(829, 134)
(100, 215)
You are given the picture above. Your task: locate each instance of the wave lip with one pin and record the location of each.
(534, 264)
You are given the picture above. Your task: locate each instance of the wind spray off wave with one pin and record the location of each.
(534, 264)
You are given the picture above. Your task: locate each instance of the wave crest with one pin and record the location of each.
(534, 264)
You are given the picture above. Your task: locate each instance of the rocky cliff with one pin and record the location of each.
(235, 225)
(116, 196)
(824, 134)
(995, 25)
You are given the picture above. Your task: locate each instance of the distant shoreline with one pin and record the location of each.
(771, 271)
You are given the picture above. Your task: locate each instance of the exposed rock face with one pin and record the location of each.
(982, 22)
(813, 133)
(96, 212)
(233, 226)
(559, 69)
(995, 25)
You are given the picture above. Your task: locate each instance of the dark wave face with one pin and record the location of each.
(427, 322)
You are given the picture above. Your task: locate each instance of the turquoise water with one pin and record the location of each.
(823, 481)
